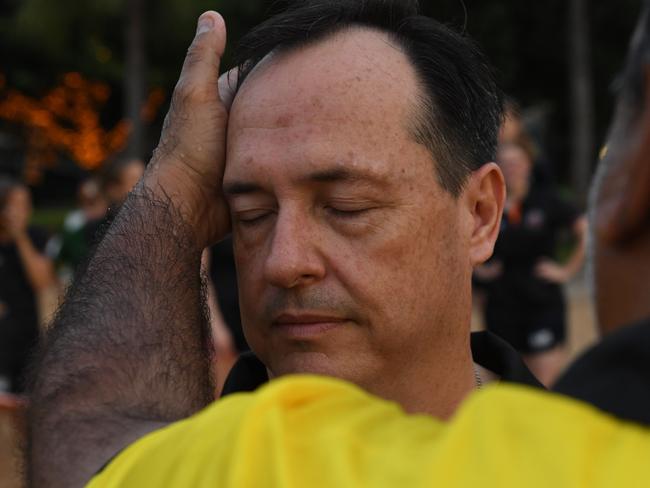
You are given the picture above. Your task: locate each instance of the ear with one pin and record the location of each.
(485, 195)
(624, 206)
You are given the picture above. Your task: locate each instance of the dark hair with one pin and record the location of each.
(461, 108)
(630, 83)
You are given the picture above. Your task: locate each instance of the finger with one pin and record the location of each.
(201, 66)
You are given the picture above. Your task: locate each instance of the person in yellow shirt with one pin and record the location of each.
(318, 431)
(355, 171)
(322, 432)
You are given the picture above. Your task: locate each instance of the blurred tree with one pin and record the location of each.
(527, 41)
(582, 102)
(134, 75)
(65, 120)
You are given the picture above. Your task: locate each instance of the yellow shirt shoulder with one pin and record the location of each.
(321, 432)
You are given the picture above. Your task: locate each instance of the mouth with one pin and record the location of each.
(305, 326)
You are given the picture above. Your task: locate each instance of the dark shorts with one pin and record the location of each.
(17, 340)
(529, 329)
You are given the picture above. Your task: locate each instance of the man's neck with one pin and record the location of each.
(435, 388)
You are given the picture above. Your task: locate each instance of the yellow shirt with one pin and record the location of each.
(307, 431)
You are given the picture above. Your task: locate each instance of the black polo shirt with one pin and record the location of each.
(614, 375)
(18, 310)
(488, 350)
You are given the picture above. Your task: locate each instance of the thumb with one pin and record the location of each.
(201, 66)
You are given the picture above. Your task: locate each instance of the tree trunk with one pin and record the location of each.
(582, 104)
(134, 82)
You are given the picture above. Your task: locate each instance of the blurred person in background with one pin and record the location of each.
(512, 125)
(118, 177)
(514, 129)
(615, 374)
(99, 199)
(524, 301)
(25, 271)
(223, 273)
(81, 225)
(224, 350)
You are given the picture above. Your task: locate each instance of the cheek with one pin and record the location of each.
(402, 276)
(251, 287)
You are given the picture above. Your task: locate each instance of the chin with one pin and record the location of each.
(317, 363)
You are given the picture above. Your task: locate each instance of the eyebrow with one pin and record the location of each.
(333, 175)
(342, 174)
(241, 188)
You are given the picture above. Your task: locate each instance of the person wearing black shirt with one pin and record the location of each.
(524, 299)
(615, 374)
(24, 271)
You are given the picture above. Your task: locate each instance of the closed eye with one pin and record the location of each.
(251, 217)
(347, 212)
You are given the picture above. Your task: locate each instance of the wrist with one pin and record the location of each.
(201, 206)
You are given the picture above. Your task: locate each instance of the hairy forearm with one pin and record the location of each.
(128, 348)
(38, 268)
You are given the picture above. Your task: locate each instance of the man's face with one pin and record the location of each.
(352, 260)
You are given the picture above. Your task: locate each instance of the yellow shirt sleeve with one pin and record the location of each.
(307, 431)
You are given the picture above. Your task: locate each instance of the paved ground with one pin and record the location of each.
(583, 331)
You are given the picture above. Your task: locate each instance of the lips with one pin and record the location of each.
(305, 325)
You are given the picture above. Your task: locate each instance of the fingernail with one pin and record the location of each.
(205, 24)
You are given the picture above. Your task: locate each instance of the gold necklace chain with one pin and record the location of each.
(477, 378)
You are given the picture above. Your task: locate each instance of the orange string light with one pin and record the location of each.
(67, 120)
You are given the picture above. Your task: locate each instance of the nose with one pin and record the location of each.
(294, 258)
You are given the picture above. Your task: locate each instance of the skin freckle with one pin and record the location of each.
(284, 120)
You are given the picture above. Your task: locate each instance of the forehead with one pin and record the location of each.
(353, 68)
(353, 90)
